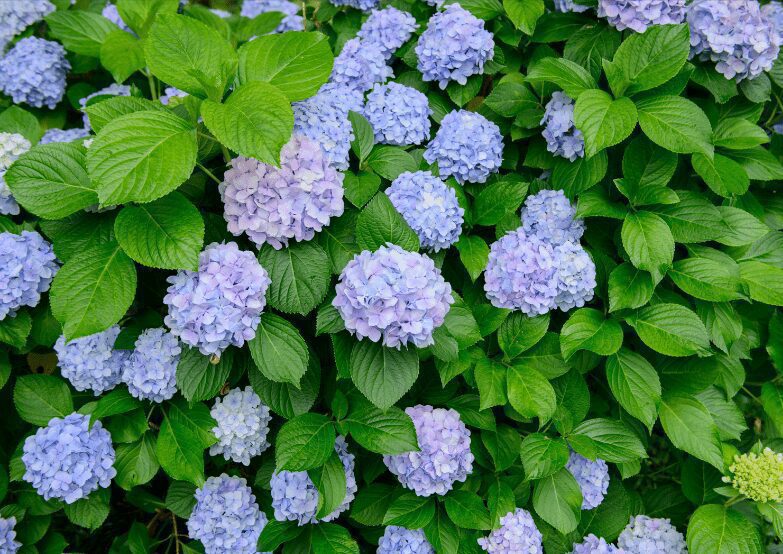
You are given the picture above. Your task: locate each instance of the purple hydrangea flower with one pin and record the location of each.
(291, 22)
(399, 540)
(735, 34)
(454, 46)
(594, 545)
(27, 267)
(17, 15)
(398, 114)
(242, 426)
(34, 72)
(393, 296)
(68, 459)
(151, 369)
(112, 90)
(443, 457)
(274, 204)
(359, 65)
(364, 5)
(429, 206)
(111, 13)
(64, 135)
(517, 533)
(645, 534)
(91, 362)
(170, 93)
(562, 137)
(550, 215)
(638, 15)
(7, 535)
(221, 303)
(593, 479)
(570, 6)
(12, 145)
(388, 28)
(226, 518)
(575, 276)
(467, 146)
(295, 498)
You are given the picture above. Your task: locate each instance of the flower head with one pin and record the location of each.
(550, 216)
(364, 5)
(359, 65)
(34, 72)
(774, 12)
(592, 477)
(151, 369)
(575, 276)
(12, 145)
(758, 476)
(16, 16)
(91, 362)
(638, 15)
(562, 137)
(27, 267)
(399, 540)
(388, 28)
(8, 544)
(594, 545)
(647, 534)
(242, 426)
(398, 114)
(64, 135)
(291, 22)
(517, 533)
(570, 6)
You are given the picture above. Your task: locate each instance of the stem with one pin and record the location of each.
(734, 500)
(209, 173)
(153, 87)
(226, 153)
(176, 532)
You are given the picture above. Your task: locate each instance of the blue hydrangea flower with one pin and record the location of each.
(575, 276)
(12, 145)
(291, 22)
(221, 303)
(242, 426)
(399, 540)
(774, 13)
(274, 204)
(27, 267)
(91, 362)
(638, 15)
(550, 215)
(364, 5)
(388, 28)
(151, 369)
(359, 65)
(7, 535)
(593, 479)
(64, 135)
(735, 34)
(398, 114)
(645, 534)
(443, 457)
(429, 206)
(112, 90)
(295, 498)
(170, 93)
(570, 6)
(34, 72)
(68, 459)
(594, 545)
(111, 13)
(562, 137)
(393, 296)
(517, 533)
(226, 518)
(17, 15)
(454, 46)
(467, 146)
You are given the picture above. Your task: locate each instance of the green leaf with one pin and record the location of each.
(89, 512)
(330, 482)
(490, 378)
(473, 253)
(604, 122)
(610, 440)
(304, 442)
(716, 528)
(723, 175)
(707, 279)
(140, 14)
(722, 89)
(520, 332)
(371, 503)
(278, 350)
(498, 199)
(580, 175)
(511, 97)
(635, 384)
(284, 398)
(646, 166)
(671, 329)
(136, 462)
(180, 451)
(524, 13)
(197, 378)
(364, 138)
(383, 374)
(379, 223)
(691, 428)
(648, 241)
(81, 32)
(385, 432)
(676, 124)
(587, 329)
(693, 219)
(410, 510)
(736, 133)
(530, 394)
(741, 227)
(361, 187)
(276, 533)
(122, 54)
(16, 120)
(194, 416)
(15, 330)
(329, 538)
(390, 161)
(442, 534)
(543, 456)
(118, 401)
(39, 398)
(764, 281)
(105, 111)
(759, 163)
(629, 287)
(467, 510)
(300, 275)
(557, 500)
(567, 75)
(462, 94)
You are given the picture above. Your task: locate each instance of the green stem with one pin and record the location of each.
(153, 86)
(209, 173)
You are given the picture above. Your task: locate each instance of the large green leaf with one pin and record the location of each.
(648, 241)
(716, 528)
(572, 78)
(557, 499)
(304, 442)
(635, 384)
(530, 393)
(691, 428)
(278, 350)
(300, 275)
(180, 452)
(81, 32)
(383, 374)
(39, 398)
(380, 223)
(675, 123)
(671, 329)
(387, 431)
(587, 329)
(604, 122)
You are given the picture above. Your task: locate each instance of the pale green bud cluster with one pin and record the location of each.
(758, 476)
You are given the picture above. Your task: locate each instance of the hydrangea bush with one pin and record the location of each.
(391, 276)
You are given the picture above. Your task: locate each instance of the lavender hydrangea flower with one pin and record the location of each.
(399, 540)
(467, 146)
(638, 15)
(646, 534)
(111, 13)
(388, 28)
(226, 518)
(150, 371)
(570, 6)
(64, 135)
(91, 362)
(517, 533)
(454, 46)
(274, 204)
(429, 206)
(27, 267)
(17, 15)
(12, 145)
(592, 477)
(735, 34)
(562, 137)
(112, 90)
(594, 545)
(8, 544)
(242, 426)
(295, 498)
(34, 72)
(171, 93)
(68, 459)
(550, 215)
(443, 457)
(364, 5)
(221, 303)
(393, 296)
(398, 114)
(359, 65)
(292, 21)
(774, 13)
(575, 276)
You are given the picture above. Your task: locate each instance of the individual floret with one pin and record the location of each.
(562, 137)
(151, 370)
(12, 145)
(594, 545)
(467, 146)
(64, 135)
(69, 458)
(388, 28)
(8, 544)
(575, 276)
(17, 15)
(100, 95)
(220, 304)
(638, 15)
(645, 534)
(592, 477)
(550, 215)
(295, 497)
(454, 46)
(399, 540)
(570, 6)
(399, 115)
(91, 362)
(364, 5)
(292, 21)
(429, 206)
(443, 458)
(758, 476)
(275, 204)
(517, 533)
(242, 426)
(359, 65)
(27, 267)
(34, 72)
(392, 296)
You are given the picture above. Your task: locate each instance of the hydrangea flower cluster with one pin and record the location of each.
(359, 65)
(242, 426)
(291, 22)
(151, 369)
(774, 12)
(570, 6)
(169, 93)
(34, 72)
(592, 477)
(274, 204)
(16, 16)
(646, 534)
(27, 267)
(364, 5)
(517, 533)
(91, 362)
(111, 13)
(295, 498)
(429, 206)
(112, 90)
(454, 46)
(221, 303)
(467, 146)
(393, 296)
(64, 135)
(550, 215)
(8, 544)
(575, 276)
(399, 540)
(68, 459)
(594, 545)
(562, 137)
(443, 457)
(226, 517)
(398, 114)
(388, 29)
(12, 145)
(638, 15)
(735, 34)
(758, 476)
